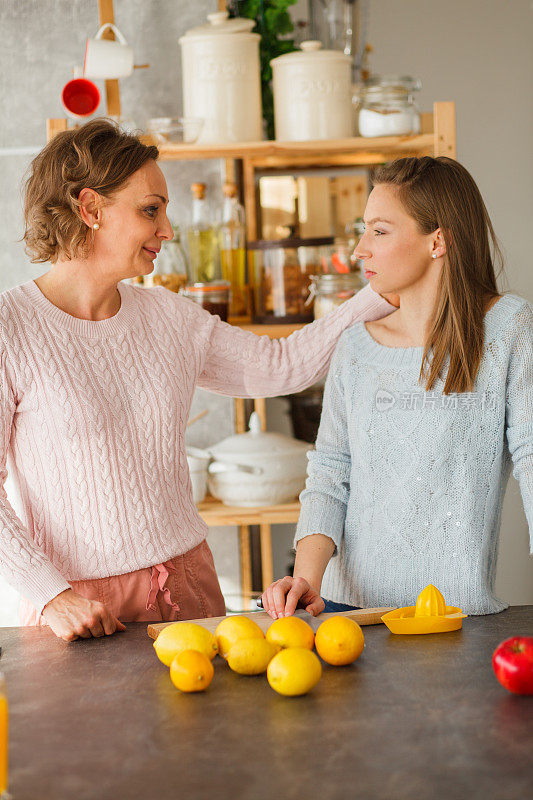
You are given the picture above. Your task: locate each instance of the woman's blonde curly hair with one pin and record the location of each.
(99, 156)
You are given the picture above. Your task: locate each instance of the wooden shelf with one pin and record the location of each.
(215, 513)
(274, 152)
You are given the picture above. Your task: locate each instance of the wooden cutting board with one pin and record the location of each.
(363, 616)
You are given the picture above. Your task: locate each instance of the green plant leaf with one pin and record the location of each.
(272, 20)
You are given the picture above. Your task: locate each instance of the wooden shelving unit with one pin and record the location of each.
(215, 513)
(437, 138)
(284, 153)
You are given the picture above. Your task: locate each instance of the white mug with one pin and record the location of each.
(107, 58)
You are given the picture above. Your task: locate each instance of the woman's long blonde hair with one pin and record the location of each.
(441, 193)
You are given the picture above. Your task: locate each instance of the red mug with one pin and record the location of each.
(80, 97)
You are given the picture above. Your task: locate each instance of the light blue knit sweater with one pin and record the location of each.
(409, 484)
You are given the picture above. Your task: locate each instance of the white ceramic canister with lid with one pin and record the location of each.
(312, 94)
(221, 79)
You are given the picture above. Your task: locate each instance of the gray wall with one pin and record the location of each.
(475, 52)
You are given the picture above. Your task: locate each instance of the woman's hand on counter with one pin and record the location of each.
(70, 616)
(282, 598)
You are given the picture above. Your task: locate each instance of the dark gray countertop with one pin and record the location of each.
(415, 717)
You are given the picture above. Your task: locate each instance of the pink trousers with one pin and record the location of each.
(185, 587)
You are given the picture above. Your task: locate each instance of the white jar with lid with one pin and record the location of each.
(221, 79)
(312, 94)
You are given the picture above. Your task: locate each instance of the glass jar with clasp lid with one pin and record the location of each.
(386, 106)
(333, 289)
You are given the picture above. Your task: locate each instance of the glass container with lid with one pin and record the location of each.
(333, 289)
(387, 107)
(170, 268)
(214, 297)
(280, 274)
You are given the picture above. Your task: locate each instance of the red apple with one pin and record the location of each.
(512, 662)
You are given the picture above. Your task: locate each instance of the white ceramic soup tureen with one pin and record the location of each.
(257, 468)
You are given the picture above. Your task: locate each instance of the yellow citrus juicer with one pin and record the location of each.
(430, 615)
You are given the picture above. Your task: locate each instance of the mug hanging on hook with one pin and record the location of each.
(108, 58)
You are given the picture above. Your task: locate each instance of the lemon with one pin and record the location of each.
(251, 656)
(232, 629)
(191, 671)
(291, 632)
(339, 641)
(184, 636)
(294, 671)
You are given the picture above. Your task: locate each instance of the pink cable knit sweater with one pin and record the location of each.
(93, 417)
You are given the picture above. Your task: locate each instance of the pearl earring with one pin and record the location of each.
(96, 226)
(434, 255)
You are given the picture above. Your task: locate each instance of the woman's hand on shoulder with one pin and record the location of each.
(283, 597)
(70, 616)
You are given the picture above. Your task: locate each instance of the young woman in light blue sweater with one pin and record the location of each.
(425, 412)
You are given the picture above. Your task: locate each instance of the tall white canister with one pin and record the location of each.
(312, 94)
(221, 79)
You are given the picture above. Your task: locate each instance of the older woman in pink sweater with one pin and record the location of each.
(96, 382)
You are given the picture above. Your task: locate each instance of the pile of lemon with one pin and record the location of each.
(285, 653)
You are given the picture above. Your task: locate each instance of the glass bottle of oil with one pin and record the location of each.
(3, 739)
(202, 240)
(232, 234)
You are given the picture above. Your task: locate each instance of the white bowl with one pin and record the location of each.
(250, 491)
